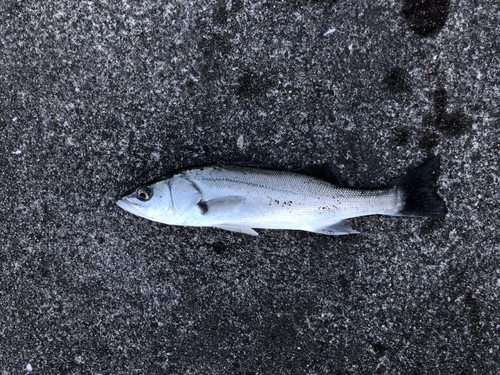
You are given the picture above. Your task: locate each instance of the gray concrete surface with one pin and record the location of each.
(97, 97)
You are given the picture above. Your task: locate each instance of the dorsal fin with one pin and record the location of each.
(255, 164)
(327, 172)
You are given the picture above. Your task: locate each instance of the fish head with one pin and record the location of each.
(152, 201)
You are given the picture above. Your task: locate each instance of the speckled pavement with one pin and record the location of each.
(97, 97)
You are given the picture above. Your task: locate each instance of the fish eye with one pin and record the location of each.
(144, 193)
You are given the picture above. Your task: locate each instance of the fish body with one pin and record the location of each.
(242, 198)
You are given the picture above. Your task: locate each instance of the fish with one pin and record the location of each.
(242, 197)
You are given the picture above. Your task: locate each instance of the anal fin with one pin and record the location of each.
(339, 228)
(237, 228)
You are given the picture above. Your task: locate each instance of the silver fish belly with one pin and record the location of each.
(242, 198)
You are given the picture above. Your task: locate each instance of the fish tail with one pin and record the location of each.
(418, 191)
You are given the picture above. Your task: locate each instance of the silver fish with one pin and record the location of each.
(243, 197)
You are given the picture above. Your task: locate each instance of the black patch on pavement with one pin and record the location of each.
(219, 247)
(431, 225)
(397, 81)
(400, 136)
(474, 311)
(236, 6)
(428, 141)
(251, 86)
(453, 124)
(219, 15)
(426, 17)
(379, 349)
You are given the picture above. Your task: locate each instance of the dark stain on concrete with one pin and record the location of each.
(397, 81)
(251, 85)
(400, 136)
(428, 141)
(220, 15)
(431, 225)
(426, 17)
(453, 124)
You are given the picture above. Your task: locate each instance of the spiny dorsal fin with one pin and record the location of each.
(255, 164)
(327, 172)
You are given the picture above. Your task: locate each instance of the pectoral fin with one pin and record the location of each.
(337, 229)
(237, 228)
(219, 205)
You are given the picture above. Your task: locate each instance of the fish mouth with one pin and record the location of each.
(132, 208)
(125, 204)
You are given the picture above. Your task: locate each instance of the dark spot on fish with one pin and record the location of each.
(426, 17)
(203, 207)
(397, 81)
(219, 247)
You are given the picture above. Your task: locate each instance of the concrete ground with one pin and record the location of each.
(97, 97)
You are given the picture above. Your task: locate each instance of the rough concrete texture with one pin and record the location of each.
(97, 97)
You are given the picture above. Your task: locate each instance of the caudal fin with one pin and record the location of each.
(418, 188)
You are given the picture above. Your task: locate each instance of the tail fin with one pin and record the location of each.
(418, 191)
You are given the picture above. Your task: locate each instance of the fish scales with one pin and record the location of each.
(285, 192)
